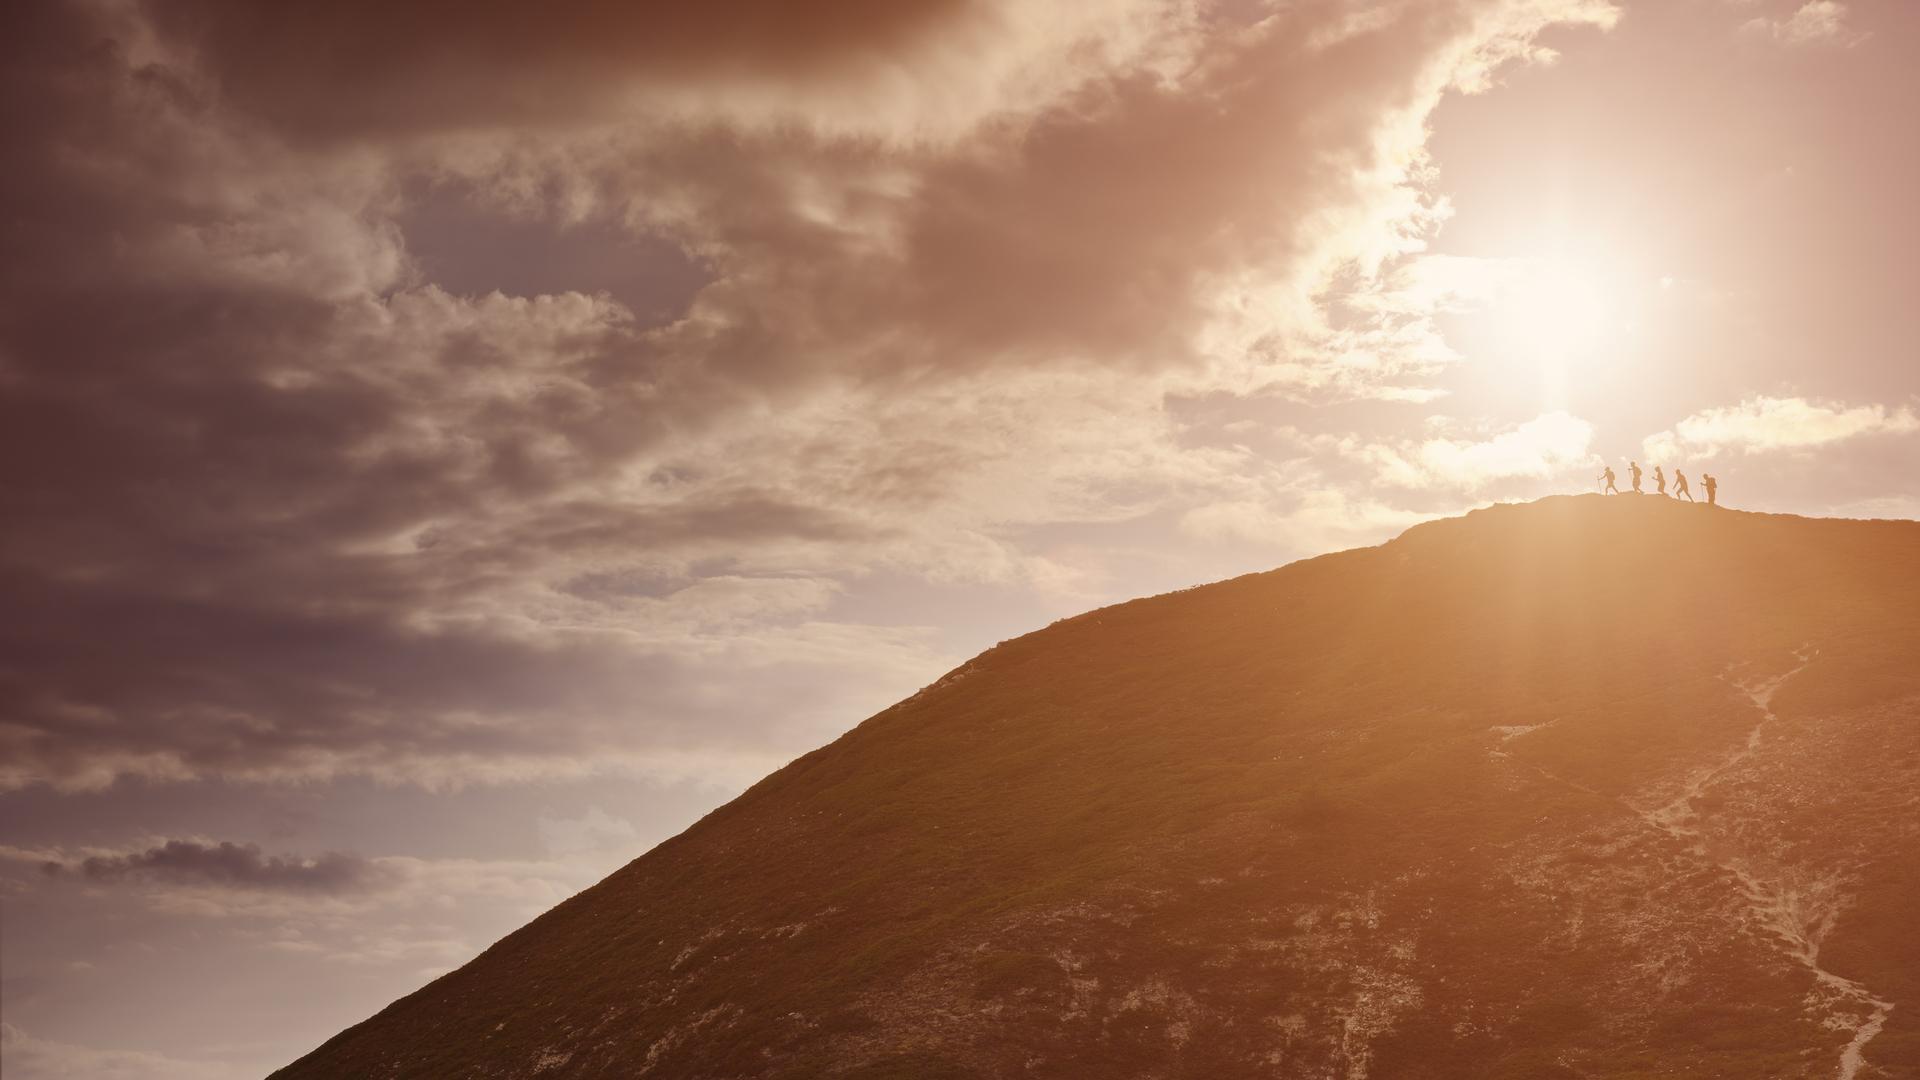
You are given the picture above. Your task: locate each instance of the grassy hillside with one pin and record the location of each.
(1505, 797)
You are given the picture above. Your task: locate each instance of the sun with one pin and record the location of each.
(1553, 315)
(1554, 318)
(1555, 309)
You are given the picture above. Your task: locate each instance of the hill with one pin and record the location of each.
(1589, 787)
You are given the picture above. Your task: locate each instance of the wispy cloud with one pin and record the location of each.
(1321, 520)
(1817, 22)
(1542, 446)
(223, 880)
(1764, 424)
(29, 1057)
(226, 863)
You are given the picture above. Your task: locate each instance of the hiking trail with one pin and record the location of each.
(1797, 914)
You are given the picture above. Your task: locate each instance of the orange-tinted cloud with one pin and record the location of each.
(1761, 424)
(1814, 23)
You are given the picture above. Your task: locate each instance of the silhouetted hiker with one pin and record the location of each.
(1680, 486)
(1713, 488)
(1633, 470)
(1608, 477)
(1659, 481)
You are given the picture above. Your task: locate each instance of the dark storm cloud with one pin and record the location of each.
(230, 865)
(278, 504)
(361, 67)
(1104, 230)
(1095, 229)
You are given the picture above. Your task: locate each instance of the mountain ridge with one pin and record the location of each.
(1477, 801)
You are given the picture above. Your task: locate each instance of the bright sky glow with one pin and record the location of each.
(1555, 315)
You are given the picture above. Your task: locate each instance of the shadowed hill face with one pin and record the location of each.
(1587, 787)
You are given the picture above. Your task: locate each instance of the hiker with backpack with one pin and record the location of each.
(1607, 477)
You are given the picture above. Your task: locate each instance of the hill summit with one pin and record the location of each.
(1588, 787)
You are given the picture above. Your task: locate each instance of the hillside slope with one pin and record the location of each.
(1581, 788)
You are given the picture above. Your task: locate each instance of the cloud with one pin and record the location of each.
(327, 897)
(1319, 492)
(1885, 507)
(1765, 424)
(227, 864)
(29, 1057)
(283, 506)
(1322, 520)
(281, 927)
(1817, 22)
(596, 830)
(1540, 447)
(909, 70)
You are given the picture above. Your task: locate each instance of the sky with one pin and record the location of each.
(446, 449)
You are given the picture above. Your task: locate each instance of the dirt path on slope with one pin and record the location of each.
(1796, 914)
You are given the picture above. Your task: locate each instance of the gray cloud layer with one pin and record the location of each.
(279, 505)
(229, 865)
(359, 67)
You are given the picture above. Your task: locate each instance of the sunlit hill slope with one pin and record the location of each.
(1591, 787)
